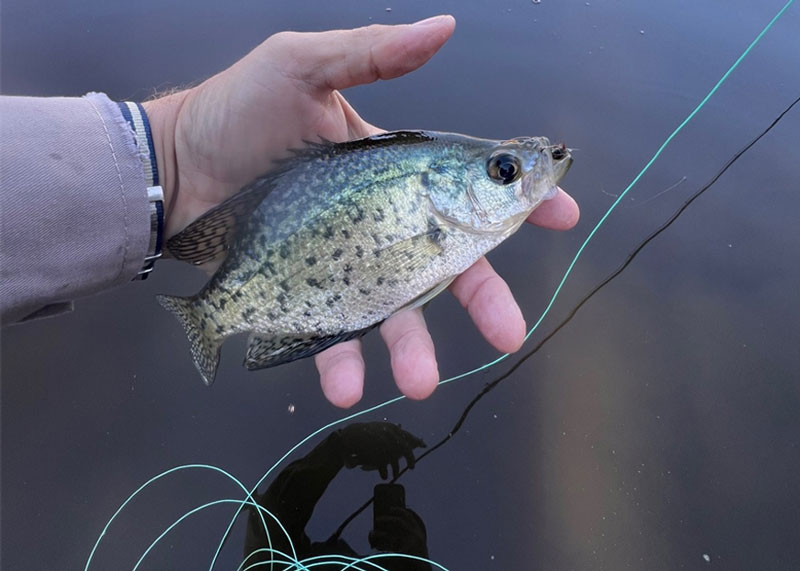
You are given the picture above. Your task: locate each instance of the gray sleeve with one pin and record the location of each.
(74, 215)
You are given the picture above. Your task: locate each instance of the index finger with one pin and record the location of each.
(559, 213)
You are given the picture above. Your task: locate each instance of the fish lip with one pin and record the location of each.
(561, 167)
(562, 160)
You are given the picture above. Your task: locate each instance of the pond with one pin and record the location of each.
(659, 429)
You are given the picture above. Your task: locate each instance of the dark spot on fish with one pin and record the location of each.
(262, 239)
(284, 285)
(363, 291)
(203, 323)
(357, 215)
(309, 304)
(313, 283)
(281, 298)
(222, 302)
(330, 301)
(346, 234)
(284, 251)
(390, 237)
(393, 282)
(328, 233)
(311, 260)
(359, 252)
(408, 254)
(347, 268)
(220, 330)
(337, 253)
(425, 179)
(272, 315)
(248, 313)
(434, 232)
(266, 269)
(380, 280)
(378, 216)
(376, 239)
(307, 313)
(346, 280)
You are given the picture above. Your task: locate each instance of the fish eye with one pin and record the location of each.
(503, 168)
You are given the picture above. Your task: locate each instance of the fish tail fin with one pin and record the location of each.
(204, 341)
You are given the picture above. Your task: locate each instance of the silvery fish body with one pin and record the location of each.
(341, 236)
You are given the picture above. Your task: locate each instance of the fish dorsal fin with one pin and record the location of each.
(392, 138)
(210, 236)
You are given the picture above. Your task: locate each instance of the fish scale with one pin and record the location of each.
(341, 236)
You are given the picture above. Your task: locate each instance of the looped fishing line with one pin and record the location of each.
(353, 564)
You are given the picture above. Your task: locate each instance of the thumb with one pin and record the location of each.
(345, 58)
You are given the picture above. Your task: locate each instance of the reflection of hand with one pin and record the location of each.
(213, 139)
(376, 446)
(400, 530)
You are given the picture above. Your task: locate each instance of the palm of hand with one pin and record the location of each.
(233, 127)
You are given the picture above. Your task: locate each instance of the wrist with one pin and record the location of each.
(163, 116)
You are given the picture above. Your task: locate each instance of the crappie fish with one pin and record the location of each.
(343, 235)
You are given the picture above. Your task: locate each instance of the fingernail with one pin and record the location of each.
(428, 21)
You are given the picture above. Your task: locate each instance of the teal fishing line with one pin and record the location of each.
(349, 563)
(290, 452)
(152, 481)
(570, 267)
(241, 504)
(567, 273)
(545, 312)
(646, 167)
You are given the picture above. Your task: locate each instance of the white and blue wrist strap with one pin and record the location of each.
(134, 114)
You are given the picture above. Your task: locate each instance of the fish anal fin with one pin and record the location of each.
(271, 350)
(209, 237)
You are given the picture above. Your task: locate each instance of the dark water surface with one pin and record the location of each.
(659, 430)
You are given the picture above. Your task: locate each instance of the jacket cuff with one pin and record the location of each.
(75, 217)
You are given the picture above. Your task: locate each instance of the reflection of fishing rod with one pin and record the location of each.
(493, 384)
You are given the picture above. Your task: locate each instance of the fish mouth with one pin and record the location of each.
(562, 160)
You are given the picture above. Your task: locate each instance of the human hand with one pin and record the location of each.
(376, 446)
(213, 139)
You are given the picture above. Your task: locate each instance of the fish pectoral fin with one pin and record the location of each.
(271, 350)
(414, 251)
(210, 236)
(427, 296)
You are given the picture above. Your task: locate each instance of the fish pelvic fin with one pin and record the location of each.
(205, 343)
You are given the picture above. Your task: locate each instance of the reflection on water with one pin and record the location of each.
(657, 430)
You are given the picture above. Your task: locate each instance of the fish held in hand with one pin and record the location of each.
(341, 236)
